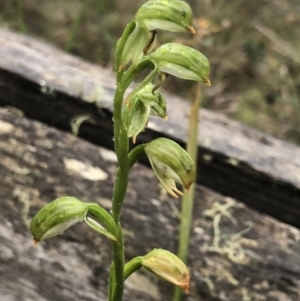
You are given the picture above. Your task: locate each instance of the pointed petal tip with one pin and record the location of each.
(192, 29)
(177, 193)
(207, 82)
(173, 194)
(186, 288)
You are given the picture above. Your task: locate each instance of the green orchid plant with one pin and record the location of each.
(170, 162)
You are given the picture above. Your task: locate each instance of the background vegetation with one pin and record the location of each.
(253, 47)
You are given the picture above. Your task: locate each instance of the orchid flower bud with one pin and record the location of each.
(149, 98)
(167, 266)
(181, 61)
(171, 15)
(137, 44)
(56, 217)
(171, 163)
(136, 118)
(140, 106)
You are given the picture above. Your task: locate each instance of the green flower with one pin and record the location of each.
(61, 214)
(171, 163)
(138, 43)
(181, 61)
(167, 266)
(140, 106)
(56, 217)
(171, 15)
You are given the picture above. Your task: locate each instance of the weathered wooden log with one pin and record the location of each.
(53, 87)
(236, 253)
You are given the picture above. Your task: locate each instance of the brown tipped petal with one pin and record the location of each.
(173, 194)
(177, 192)
(185, 287)
(207, 82)
(192, 29)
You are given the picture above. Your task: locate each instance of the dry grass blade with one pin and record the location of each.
(281, 46)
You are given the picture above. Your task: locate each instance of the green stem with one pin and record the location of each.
(148, 79)
(187, 202)
(112, 280)
(103, 217)
(117, 268)
(122, 144)
(132, 266)
(135, 154)
(120, 187)
(121, 148)
(133, 71)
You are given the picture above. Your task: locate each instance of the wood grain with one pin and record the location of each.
(39, 164)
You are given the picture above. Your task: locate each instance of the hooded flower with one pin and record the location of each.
(138, 43)
(56, 217)
(61, 214)
(167, 266)
(140, 106)
(171, 163)
(181, 61)
(171, 15)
